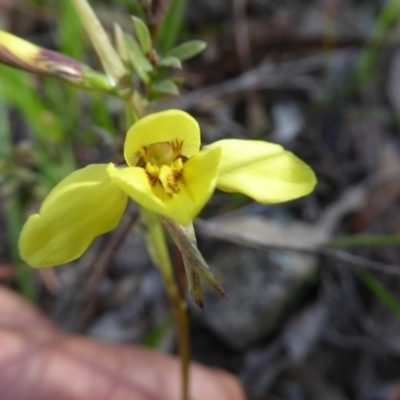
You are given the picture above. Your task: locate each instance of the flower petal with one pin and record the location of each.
(163, 126)
(200, 177)
(264, 171)
(82, 206)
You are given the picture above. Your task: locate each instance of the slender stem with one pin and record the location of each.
(159, 251)
(101, 42)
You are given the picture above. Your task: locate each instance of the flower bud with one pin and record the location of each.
(21, 54)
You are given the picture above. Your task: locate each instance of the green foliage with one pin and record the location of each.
(373, 284)
(18, 90)
(12, 207)
(45, 126)
(142, 34)
(154, 338)
(384, 295)
(138, 60)
(132, 7)
(172, 62)
(171, 26)
(165, 86)
(69, 29)
(142, 60)
(367, 66)
(187, 50)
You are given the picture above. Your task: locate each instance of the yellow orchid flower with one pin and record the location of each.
(165, 172)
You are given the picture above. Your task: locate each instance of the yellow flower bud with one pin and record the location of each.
(19, 53)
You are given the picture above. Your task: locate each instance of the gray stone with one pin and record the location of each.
(259, 284)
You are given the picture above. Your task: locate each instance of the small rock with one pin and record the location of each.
(258, 283)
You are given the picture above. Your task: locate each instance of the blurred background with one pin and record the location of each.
(313, 285)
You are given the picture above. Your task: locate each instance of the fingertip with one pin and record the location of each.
(15, 311)
(215, 384)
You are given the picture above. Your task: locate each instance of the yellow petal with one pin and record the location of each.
(264, 171)
(82, 206)
(200, 176)
(17, 47)
(163, 126)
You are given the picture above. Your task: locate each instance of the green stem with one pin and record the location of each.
(134, 108)
(101, 42)
(159, 251)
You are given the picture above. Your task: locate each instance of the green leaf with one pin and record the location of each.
(153, 339)
(170, 62)
(364, 240)
(139, 62)
(16, 87)
(69, 27)
(165, 86)
(171, 26)
(142, 33)
(384, 295)
(121, 44)
(366, 69)
(187, 50)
